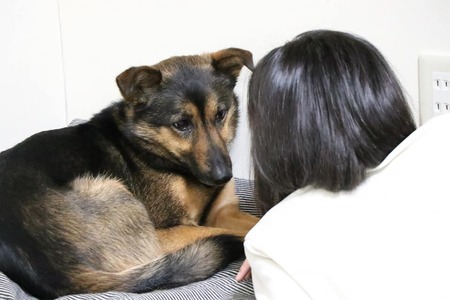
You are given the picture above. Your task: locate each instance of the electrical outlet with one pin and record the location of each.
(434, 86)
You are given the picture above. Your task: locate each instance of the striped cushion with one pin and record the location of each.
(220, 286)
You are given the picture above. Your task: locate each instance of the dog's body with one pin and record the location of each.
(115, 203)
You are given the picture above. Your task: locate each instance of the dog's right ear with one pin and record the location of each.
(230, 61)
(134, 83)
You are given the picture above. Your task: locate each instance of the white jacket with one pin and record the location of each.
(387, 239)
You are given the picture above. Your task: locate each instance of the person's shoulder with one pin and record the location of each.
(299, 210)
(434, 127)
(432, 136)
(438, 120)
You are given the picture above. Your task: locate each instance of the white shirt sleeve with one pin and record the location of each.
(270, 280)
(280, 269)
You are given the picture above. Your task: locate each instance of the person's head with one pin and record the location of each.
(323, 109)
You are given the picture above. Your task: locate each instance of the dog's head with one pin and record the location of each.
(184, 111)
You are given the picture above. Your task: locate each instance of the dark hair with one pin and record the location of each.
(323, 109)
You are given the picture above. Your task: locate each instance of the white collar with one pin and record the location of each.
(432, 124)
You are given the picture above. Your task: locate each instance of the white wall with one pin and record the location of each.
(31, 70)
(101, 38)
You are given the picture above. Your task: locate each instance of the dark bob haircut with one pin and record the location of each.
(323, 109)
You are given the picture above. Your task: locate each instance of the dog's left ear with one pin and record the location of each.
(230, 61)
(135, 82)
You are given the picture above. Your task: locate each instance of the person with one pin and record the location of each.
(355, 198)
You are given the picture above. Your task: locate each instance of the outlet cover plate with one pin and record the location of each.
(433, 95)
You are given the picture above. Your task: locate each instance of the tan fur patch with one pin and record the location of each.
(225, 213)
(102, 221)
(192, 197)
(228, 131)
(169, 66)
(175, 238)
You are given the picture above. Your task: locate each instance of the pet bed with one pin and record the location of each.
(220, 286)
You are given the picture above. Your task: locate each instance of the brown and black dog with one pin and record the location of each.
(135, 199)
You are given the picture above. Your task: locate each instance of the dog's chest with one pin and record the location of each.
(172, 200)
(192, 198)
(194, 205)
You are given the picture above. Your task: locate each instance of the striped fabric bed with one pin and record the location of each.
(221, 286)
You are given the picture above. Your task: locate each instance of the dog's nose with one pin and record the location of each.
(221, 174)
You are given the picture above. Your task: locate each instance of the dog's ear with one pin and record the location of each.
(134, 82)
(230, 61)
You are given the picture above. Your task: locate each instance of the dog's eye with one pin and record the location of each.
(221, 114)
(182, 125)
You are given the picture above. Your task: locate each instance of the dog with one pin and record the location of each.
(140, 197)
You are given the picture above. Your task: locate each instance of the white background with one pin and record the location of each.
(59, 59)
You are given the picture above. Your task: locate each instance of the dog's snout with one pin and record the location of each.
(221, 174)
(219, 169)
(220, 166)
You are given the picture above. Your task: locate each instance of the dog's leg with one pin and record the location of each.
(225, 213)
(175, 238)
